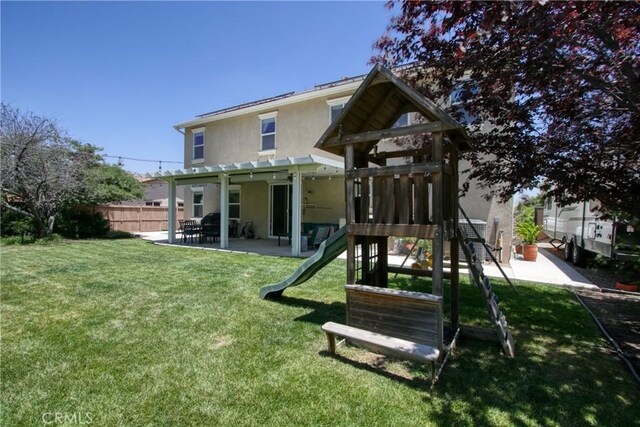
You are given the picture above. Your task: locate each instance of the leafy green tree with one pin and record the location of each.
(104, 183)
(43, 171)
(525, 210)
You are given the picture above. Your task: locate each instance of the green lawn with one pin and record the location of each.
(138, 334)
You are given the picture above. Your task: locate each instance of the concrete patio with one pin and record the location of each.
(548, 269)
(268, 247)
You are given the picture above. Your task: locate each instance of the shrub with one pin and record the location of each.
(17, 240)
(629, 270)
(51, 238)
(79, 224)
(117, 234)
(15, 224)
(29, 239)
(528, 231)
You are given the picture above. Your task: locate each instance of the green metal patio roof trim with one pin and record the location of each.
(310, 163)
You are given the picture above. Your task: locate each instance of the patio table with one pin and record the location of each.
(190, 231)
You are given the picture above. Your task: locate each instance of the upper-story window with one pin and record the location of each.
(336, 106)
(198, 143)
(457, 100)
(335, 111)
(268, 131)
(402, 121)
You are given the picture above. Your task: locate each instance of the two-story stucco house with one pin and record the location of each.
(256, 162)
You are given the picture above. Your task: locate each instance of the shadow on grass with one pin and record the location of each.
(420, 381)
(552, 378)
(563, 373)
(321, 311)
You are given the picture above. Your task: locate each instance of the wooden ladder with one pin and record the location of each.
(484, 284)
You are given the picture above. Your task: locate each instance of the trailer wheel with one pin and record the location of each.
(568, 251)
(578, 255)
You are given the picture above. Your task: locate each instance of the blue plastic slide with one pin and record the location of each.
(327, 252)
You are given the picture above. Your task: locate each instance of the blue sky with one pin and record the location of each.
(119, 75)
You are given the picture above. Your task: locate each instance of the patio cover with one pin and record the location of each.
(224, 174)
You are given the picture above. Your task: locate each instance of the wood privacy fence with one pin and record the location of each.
(137, 218)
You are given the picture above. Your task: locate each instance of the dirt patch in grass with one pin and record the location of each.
(620, 316)
(619, 313)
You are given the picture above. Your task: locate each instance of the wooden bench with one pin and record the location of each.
(382, 344)
(401, 324)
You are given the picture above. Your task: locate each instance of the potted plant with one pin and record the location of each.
(518, 246)
(629, 272)
(528, 232)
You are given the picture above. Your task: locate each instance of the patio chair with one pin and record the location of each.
(322, 234)
(247, 231)
(189, 230)
(210, 231)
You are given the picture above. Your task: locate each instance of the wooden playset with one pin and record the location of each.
(396, 192)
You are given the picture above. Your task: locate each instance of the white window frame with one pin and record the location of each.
(194, 191)
(459, 85)
(237, 188)
(409, 120)
(195, 132)
(337, 102)
(272, 115)
(457, 88)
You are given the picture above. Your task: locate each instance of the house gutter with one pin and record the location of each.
(265, 107)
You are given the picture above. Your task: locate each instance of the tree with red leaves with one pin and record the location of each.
(550, 90)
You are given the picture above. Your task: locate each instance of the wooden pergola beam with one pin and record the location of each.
(377, 135)
(423, 168)
(403, 153)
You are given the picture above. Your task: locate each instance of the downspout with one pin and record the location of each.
(584, 214)
(555, 222)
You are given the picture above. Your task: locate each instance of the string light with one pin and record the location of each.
(133, 159)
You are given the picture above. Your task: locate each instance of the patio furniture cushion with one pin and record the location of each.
(313, 229)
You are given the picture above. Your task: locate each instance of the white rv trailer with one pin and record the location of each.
(581, 229)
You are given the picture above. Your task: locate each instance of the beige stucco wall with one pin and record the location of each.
(298, 127)
(478, 205)
(254, 206)
(326, 196)
(211, 199)
(237, 139)
(324, 200)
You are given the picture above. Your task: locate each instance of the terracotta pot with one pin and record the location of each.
(530, 252)
(518, 249)
(625, 287)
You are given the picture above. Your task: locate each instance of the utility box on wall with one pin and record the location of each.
(481, 228)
